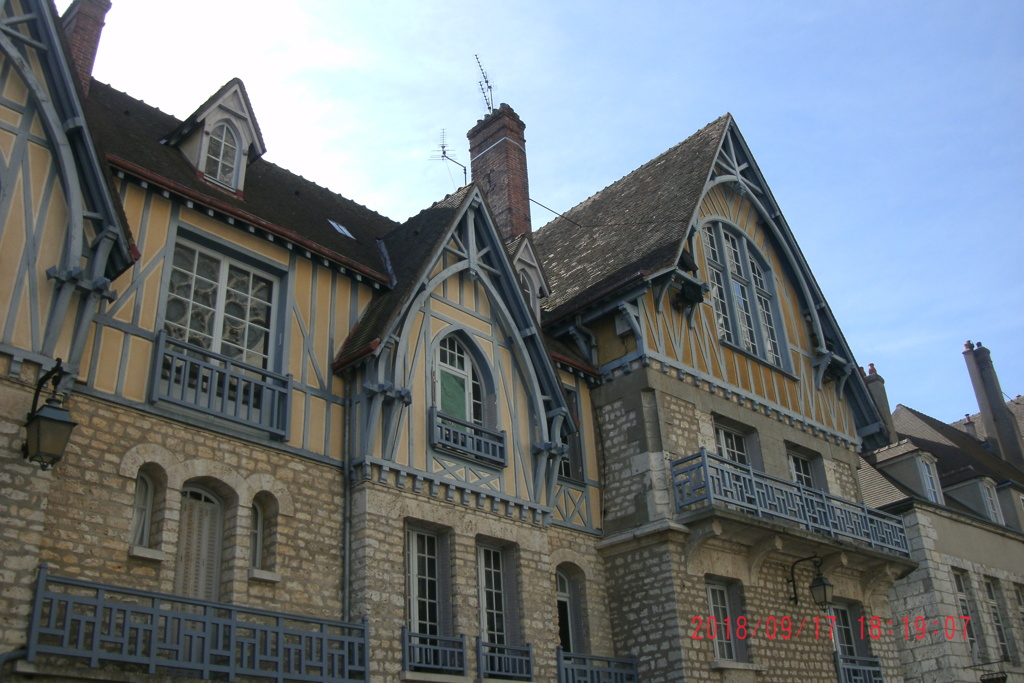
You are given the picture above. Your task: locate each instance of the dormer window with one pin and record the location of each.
(929, 480)
(222, 155)
(992, 509)
(221, 138)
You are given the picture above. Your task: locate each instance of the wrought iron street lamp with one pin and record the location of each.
(821, 588)
(48, 427)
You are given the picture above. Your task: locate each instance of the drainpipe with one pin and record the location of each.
(346, 523)
(10, 657)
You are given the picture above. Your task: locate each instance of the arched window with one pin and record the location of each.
(568, 589)
(142, 516)
(200, 535)
(222, 155)
(742, 293)
(263, 532)
(464, 410)
(460, 392)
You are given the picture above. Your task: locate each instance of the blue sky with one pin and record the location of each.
(889, 132)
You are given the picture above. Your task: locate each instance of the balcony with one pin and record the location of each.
(193, 377)
(577, 668)
(164, 634)
(859, 669)
(504, 661)
(433, 654)
(477, 441)
(705, 479)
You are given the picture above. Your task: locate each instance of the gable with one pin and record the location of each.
(221, 137)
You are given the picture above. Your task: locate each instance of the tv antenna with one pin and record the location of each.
(443, 155)
(486, 89)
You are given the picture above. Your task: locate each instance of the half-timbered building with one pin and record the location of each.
(314, 443)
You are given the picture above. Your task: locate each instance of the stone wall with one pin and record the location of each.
(77, 517)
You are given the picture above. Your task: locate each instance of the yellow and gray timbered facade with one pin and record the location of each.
(314, 443)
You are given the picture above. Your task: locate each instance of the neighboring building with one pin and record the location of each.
(962, 500)
(314, 444)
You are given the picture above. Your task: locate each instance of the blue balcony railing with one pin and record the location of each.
(504, 661)
(471, 439)
(166, 634)
(194, 377)
(433, 654)
(859, 669)
(577, 668)
(706, 479)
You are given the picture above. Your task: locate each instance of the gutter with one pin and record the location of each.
(235, 212)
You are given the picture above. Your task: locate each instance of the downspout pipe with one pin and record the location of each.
(10, 657)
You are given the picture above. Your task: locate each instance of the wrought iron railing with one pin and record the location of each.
(194, 377)
(859, 669)
(433, 654)
(577, 668)
(160, 633)
(504, 661)
(706, 479)
(465, 437)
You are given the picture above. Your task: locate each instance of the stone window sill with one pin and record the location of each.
(141, 552)
(419, 677)
(741, 666)
(264, 575)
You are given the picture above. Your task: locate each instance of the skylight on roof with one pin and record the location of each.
(340, 228)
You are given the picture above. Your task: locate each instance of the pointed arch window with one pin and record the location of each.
(464, 412)
(460, 392)
(742, 293)
(222, 156)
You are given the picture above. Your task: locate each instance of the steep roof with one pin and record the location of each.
(1015, 405)
(959, 456)
(632, 228)
(129, 132)
(408, 248)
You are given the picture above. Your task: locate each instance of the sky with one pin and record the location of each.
(889, 132)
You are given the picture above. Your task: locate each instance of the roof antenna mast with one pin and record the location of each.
(443, 155)
(485, 87)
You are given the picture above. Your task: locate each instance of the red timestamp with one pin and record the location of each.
(826, 627)
(916, 628)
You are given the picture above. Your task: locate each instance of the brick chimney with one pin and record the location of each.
(83, 23)
(876, 387)
(497, 152)
(1001, 429)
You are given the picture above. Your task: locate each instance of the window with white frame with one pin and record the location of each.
(142, 514)
(498, 616)
(429, 583)
(930, 479)
(964, 603)
(460, 391)
(995, 612)
(731, 444)
(725, 606)
(847, 637)
(221, 305)
(806, 469)
(1018, 592)
(571, 466)
(222, 156)
(263, 532)
(568, 589)
(742, 293)
(992, 509)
